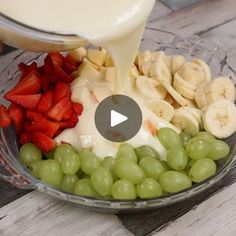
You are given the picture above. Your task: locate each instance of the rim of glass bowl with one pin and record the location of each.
(21, 177)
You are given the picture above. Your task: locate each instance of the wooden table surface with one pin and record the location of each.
(210, 213)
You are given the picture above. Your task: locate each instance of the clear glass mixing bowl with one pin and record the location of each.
(12, 170)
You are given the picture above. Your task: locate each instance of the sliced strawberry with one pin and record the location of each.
(68, 114)
(48, 66)
(16, 113)
(78, 108)
(61, 90)
(69, 68)
(41, 70)
(27, 69)
(62, 75)
(26, 101)
(5, 120)
(58, 111)
(43, 142)
(70, 123)
(35, 116)
(29, 85)
(45, 126)
(25, 137)
(46, 102)
(57, 58)
(70, 64)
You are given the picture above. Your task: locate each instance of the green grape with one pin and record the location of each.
(185, 138)
(62, 150)
(30, 153)
(89, 162)
(123, 190)
(149, 188)
(218, 150)
(109, 164)
(177, 158)
(127, 152)
(174, 181)
(129, 171)
(49, 155)
(35, 168)
(146, 151)
(190, 164)
(169, 138)
(85, 188)
(50, 172)
(197, 149)
(70, 163)
(68, 183)
(205, 136)
(165, 166)
(151, 167)
(102, 181)
(202, 170)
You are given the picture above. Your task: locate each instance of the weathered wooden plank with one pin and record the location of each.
(145, 223)
(216, 216)
(38, 214)
(197, 18)
(159, 10)
(178, 4)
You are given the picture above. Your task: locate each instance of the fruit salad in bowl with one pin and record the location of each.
(49, 142)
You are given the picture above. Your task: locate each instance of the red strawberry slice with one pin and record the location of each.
(70, 59)
(5, 120)
(35, 116)
(26, 101)
(78, 108)
(45, 126)
(27, 69)
(70, 123)
(29, 85)
(46, 102)
(57, 58)
(61, 90)
(16, 113)
(69, 68)
(58, 111)
(25, 137)
(48, 66)
(43, 142)
(62, 75)
(68, 114)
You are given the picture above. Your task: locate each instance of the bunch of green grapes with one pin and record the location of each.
(134, 172)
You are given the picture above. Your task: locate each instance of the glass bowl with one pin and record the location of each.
(12, 170)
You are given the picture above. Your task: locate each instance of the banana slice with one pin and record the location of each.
(134, 73)
(98, 57)
(219, 118)
(192, 73)
(197, 114)
(79, 54)
(169, 99)
(161, 56)
(161, 108)
(184, 87)
(200, 97)
(143, 58)
(205, 67)
(177, 62)
(160, 72)
(185, 121)
(110, 74)
(220, 88)
(150, 88)
(108, 61)
(87, 71)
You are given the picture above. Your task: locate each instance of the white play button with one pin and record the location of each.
(117, 118)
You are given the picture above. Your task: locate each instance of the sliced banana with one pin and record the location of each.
(169, 99)
(143, 58)
(205, 67)
(134, 73)
(79, 53)
(193, 73)
(219, 118)
(197, 114)
(200, 97)
(161, 108)
(161, 56)
(160, 72)
(177, 62)
(184, 87)
(185, 121)
(220, 88)
(87, 71)
(108, 61)
(110, 74)
(150, 88)
(96, 56)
